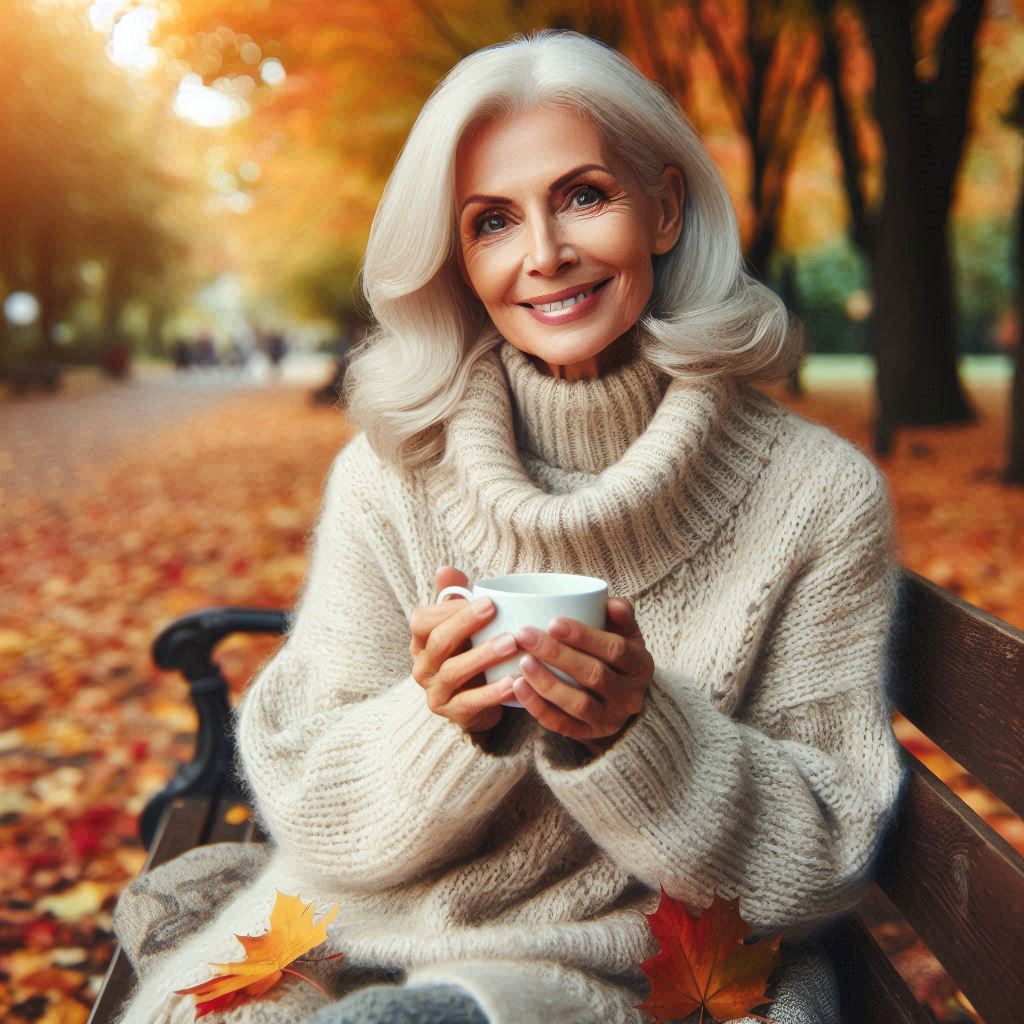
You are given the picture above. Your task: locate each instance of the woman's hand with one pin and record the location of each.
(448, 669)
(612, 666)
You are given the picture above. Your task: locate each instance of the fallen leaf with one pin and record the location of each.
(267, 957)
(83, 900)
(237, 814)
(65, 1013)
(703, 962)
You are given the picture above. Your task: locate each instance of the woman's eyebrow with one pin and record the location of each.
(555, 185)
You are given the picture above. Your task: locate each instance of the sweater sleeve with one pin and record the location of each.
(348, 768)
(783, 805)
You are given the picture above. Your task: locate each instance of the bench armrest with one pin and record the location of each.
(187, 646)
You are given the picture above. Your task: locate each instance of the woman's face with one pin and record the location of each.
(557, 235)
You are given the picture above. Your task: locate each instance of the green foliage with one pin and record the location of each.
(826, 277)
(983, 272)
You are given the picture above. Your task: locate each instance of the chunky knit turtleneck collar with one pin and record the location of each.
(598, 476)
(609, 412)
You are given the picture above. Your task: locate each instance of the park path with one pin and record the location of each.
(49, 442)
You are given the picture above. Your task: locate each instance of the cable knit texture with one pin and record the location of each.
(757, 550)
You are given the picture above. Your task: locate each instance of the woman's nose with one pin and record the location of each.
(547, 251)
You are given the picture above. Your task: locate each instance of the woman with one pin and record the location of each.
(560, 380)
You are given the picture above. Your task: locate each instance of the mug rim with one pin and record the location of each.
(587, 584)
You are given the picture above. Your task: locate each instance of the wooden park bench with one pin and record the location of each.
(958, 675)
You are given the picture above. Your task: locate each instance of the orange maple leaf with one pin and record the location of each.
(704, 963)
(267, 957)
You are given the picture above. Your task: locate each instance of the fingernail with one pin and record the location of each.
(528, 636)
(504, 685)
(558, 628)
(528, 663)
(504, 644)
(482, 605)
(522, 689)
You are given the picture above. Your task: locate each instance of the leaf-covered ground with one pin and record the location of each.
(215, 510)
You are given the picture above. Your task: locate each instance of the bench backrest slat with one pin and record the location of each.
(961, 887)
(873, 990)
(959, 677)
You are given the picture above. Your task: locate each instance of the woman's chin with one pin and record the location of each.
(587, 359)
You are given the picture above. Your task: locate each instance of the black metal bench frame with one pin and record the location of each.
(957, 674)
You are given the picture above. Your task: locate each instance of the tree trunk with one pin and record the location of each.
(791, 297)
(1015, 467)
(115, 297)
(46, 288)
(915, 326)
(861, 226)
(1015, 470)
(155, 329)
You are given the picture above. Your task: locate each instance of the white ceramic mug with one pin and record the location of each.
(533, 599)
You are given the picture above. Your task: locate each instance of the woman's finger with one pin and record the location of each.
(621, 617)
(591, 671)
(468, 705)
(611, 648)
(459, 669)
(450, 634)
(449, 576)
(549, 715)
(425, 618)
(559, 706)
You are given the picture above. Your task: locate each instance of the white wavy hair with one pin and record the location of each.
(706, 317)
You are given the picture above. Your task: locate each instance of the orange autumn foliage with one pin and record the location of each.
(703, 963)
(267, 957)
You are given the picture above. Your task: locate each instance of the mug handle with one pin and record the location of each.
(453, 592)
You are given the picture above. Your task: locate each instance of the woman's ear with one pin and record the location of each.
(668, 215)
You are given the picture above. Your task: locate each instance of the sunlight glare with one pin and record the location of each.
(21, 308)
(209, 108)
(104, 14)
(129, 42)
(250, 171)
(272, 71)
(238, 202)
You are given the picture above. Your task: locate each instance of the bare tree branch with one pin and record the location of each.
(735, 91)
(842, 121)
(784, 138)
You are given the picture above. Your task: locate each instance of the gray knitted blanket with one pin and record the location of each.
(160, 908)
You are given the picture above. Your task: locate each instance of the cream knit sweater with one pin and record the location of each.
(756, 548)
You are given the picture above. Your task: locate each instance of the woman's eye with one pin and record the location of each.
(490, 223)
(586, 196)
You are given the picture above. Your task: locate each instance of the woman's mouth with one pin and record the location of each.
(572, 307)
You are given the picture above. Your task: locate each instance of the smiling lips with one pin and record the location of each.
(568, 304)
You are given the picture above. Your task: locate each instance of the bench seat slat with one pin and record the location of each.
(961, 887)
(232, 822)
(874, 990)
(117, 986)
(959, 677)
(182, 827)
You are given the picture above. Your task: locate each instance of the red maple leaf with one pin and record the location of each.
(703, 962)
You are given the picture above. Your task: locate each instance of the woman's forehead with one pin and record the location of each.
(535, 147)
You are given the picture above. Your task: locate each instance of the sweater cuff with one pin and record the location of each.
(429, 746)
(623, 784)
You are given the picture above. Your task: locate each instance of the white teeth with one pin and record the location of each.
(553, 307)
